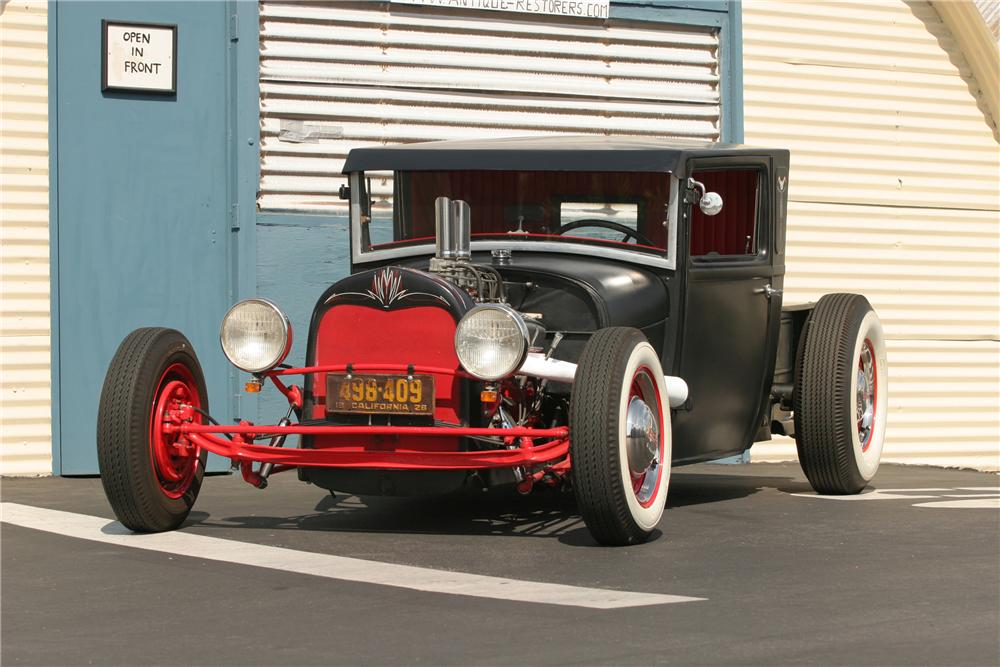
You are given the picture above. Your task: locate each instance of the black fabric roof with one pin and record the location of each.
(554, 153)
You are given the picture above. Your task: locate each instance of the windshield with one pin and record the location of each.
(624, 210)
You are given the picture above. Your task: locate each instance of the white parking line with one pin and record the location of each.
(989, 500)
(179, 543)
(971, 503)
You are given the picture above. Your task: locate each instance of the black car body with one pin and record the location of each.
(713, 315)
(579, 312)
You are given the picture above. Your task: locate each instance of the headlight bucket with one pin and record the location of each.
(491, 341)
(255, 335)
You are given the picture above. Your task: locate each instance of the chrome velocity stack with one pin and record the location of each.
(444, 244)
(453, 224)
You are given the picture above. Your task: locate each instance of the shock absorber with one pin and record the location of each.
(276, 441)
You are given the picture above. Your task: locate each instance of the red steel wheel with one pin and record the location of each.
(151, 477)
(644, 436)
(866, 394)
(174, 458)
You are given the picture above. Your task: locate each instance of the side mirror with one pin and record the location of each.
(710, 203)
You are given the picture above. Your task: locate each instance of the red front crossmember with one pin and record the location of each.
(538, 452)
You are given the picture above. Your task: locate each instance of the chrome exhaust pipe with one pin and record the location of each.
(453, 225)
(444, 243)
(461, 228)
(555, 370)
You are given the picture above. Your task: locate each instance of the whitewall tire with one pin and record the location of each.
(841, 394)
(620, 437)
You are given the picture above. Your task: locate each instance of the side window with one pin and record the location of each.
(376, 214)
(734, 231)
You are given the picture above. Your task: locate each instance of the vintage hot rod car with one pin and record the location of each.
(570, 312)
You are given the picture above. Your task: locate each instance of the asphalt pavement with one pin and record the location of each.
(908, 573)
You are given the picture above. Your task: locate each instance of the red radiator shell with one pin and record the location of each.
(421, 335)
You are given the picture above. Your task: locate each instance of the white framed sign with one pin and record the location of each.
(584, 9)
(138, 57)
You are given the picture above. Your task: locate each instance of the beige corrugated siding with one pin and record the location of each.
(334, 77)
(25, 418)
(894, 193)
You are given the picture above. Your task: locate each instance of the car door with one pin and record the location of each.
(728, 308)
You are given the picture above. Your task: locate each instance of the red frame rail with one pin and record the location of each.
(519, 448)
(525, 452)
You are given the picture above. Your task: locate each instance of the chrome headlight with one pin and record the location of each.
(255, 335)
(491, 341)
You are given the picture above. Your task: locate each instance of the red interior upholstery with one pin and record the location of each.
(496, 195)
(727, 232)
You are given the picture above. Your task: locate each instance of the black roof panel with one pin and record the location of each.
(548, 153)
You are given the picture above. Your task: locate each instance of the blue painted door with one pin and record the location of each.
(141, 200)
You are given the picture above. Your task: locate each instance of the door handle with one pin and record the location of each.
(767, 291)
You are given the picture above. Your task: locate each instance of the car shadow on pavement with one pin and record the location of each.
(501, 512)
(704, 489)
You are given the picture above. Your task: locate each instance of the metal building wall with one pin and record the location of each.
(893, 193)
(333, 77)
(975, 31)
(25, 405)
(990, 10)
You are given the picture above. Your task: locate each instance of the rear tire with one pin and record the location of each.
(620, 482)
(841, 395)
(150, 478)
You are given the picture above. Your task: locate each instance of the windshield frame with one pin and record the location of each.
(666, 260)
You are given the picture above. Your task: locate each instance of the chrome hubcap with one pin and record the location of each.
(865, 396)
(642, 444)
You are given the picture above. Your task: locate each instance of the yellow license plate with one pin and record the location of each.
(380, 394)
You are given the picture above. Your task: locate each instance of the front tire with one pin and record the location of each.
(841, 395)
(151, 478)
(620, 440)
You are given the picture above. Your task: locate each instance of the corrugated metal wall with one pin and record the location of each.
(336, 76)
(990, 9)
(970, 30)
(894, 193)
(25, 432)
